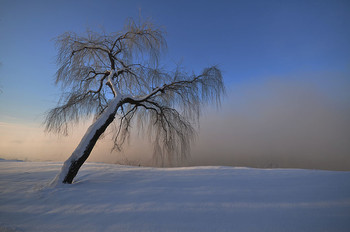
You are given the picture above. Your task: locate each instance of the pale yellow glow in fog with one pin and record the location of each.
(30, 142)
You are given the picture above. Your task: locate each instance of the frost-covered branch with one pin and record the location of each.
(158, 109)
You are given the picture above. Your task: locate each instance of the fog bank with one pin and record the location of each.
(301, 122)
(278, 122)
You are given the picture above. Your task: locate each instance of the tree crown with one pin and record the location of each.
(95, 68)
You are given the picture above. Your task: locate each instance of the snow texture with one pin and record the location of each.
(108, 197)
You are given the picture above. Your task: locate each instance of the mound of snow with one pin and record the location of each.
(121, 198)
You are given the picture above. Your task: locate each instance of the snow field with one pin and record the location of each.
(109, 197)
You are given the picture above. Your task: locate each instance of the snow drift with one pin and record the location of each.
(109, 197)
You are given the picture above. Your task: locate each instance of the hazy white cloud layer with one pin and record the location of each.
(297, 121)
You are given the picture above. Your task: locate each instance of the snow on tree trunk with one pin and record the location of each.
(72, 165)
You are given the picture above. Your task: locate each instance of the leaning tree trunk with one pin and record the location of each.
(72, 165)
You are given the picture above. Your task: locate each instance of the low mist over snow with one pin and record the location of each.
(123, 198)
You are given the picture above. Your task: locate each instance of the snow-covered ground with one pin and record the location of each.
(121, 198)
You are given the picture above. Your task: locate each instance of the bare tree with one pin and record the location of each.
(116, 78)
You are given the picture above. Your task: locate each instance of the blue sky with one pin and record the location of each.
(251, 41)
(247, 39)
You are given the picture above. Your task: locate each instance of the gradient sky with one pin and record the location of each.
(286, 65)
